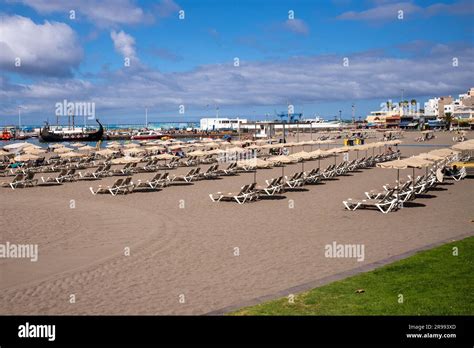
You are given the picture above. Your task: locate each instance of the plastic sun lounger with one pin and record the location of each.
(230, 170)
(56, 180)
(119, 186)
(458, 176)
(296, 180)
(22, 180)
(211, 172)
(91, 175)
(329, 172)
(192, 174)
(384, 205)
(158, 181)
(246, 193)
(273, 186)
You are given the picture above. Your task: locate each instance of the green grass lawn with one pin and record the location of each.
(432, 282)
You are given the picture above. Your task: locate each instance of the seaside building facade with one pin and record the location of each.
(212, 124)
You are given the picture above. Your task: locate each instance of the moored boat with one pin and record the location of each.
(49, 134)
(147, 135)
(6, 135)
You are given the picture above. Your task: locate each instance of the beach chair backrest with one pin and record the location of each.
(30, 176)
(244, 189)
(127, 181)
(252, 187)
(18, 177)
(117, 183)
(157, 177)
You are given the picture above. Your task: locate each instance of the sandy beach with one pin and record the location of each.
(182, 245)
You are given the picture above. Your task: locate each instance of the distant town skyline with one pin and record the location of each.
(184, 59)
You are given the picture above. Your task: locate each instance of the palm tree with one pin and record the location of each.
(448, 117)
(413, 103)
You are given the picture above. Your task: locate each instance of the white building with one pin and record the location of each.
(431, 107)
(221, 123)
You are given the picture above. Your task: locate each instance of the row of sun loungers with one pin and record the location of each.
(251, 192)
(393, 197)
(159, 181)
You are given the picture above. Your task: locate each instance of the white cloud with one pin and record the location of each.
(124, 44)
(297, 26)
(388, 10)
(167, 8)
(103, 13)
(260, 83)
(50, 48)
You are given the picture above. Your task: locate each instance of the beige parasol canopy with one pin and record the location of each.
(87, 148)
(125, 160)
(215, 152)
(105, 152)
(164, 156)
(302, 155)
(131, 145)
(56, 146)
(254, 163)
(464, 146)
(430, 156)
(72, 155)
(134, 150)
(234, 149)
(62, 150)
(197, 153)
(442, 152)
(319, 153)
(78, 144)
(26, 157)
(281, 159)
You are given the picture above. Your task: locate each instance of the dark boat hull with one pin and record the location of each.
(47, 136)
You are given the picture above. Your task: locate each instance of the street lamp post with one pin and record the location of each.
(19, 115)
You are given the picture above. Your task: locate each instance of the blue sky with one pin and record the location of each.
(190, 61)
